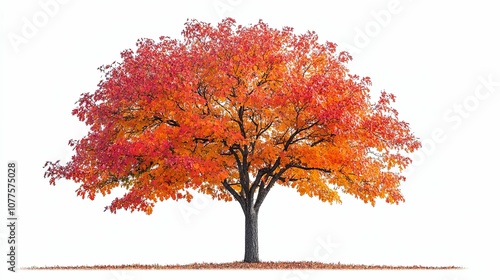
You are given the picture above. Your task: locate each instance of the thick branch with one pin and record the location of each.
(240, 122)
(265, 171)
(264, 190)
(258, 179)
(234, 193)
(242, 167)
(244, 176)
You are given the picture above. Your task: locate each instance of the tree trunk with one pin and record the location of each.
(251, 236)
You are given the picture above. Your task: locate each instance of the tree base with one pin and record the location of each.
(251, 260)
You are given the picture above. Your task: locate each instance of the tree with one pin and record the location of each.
(232, 111)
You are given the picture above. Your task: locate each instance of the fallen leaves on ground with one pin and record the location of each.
(243, 265)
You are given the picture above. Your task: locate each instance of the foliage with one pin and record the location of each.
(230, 111)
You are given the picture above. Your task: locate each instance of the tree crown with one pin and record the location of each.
(231, 110)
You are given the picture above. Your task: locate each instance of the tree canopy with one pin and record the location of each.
(232, 111)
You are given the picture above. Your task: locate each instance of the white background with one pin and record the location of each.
(437, 58)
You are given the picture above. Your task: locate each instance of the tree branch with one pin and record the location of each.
(263, 190)
(234, 193)
(241, 111)
(308, 168)
(258, 179)
(291, 138)
(242, 169)
(317, 142)
(172, 123)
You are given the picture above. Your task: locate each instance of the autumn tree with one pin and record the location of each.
(232, 111)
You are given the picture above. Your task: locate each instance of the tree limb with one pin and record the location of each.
(234, 193)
